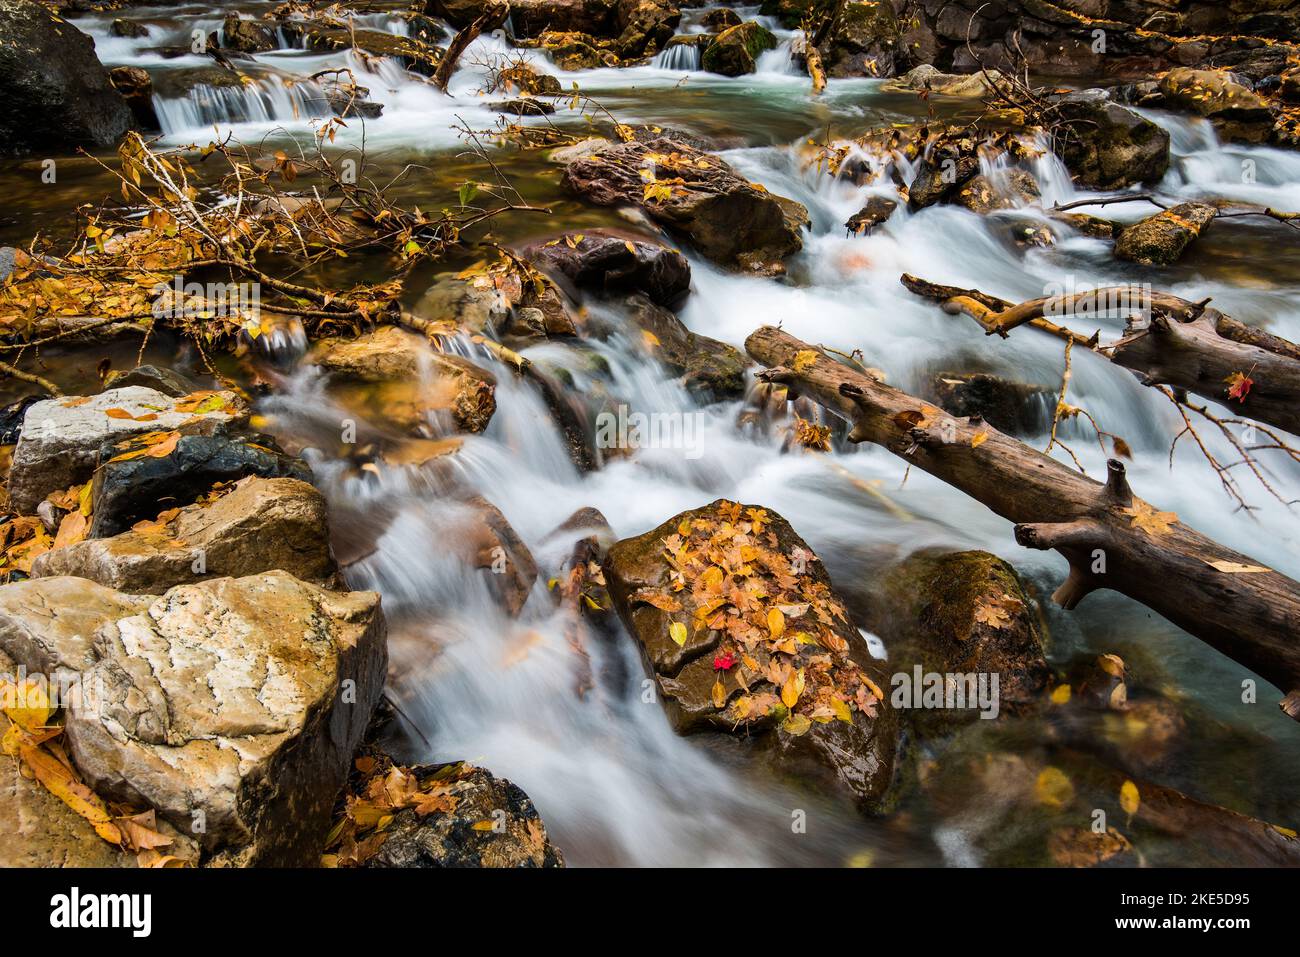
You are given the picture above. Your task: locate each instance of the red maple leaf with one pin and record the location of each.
(724, 662)
(1239, 386)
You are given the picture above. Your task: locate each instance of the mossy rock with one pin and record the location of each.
(735, 51)
(960, 613)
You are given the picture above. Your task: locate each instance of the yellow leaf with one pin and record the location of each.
(775, 622)
(719, 695)
(1053, 788)
(1061, 694)
(59, 781)
(1143, 516)
(978, 439)
(841, 710)
(792, 689)
(804, 360)
(677, 631)
(485, 825)
(650, 339)
(27, 703)
(796, 724)
(1129, 798)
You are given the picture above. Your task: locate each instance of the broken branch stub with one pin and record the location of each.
(1111, 538)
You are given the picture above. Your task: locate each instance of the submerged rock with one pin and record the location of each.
(1108, 146)
(610, 263)
(417, 381)
(56, 92)
(62, 438)
(261, 525)
(712, 370)
(727, 218)
(1161, 239)
(735, 51)
(756, 643)
(1016, 408)
(960, 614)
(875, 212)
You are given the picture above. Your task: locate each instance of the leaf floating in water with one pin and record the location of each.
(1129, 798)
(1053, 788)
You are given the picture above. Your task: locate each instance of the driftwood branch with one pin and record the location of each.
(492, 17)
(1111, 538)
(1169, 341)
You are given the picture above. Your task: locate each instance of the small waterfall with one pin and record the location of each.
(779, 60)
(269, 99)
(678, 56)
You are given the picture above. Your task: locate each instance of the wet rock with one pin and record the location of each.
(1016, 408)
(136, 86)
(57, 93)
(246, 36)
(347, 100)
(499, 551)
(414, 54)
(875, 212)
(863, 41)
(959, 613)
(644, 26)
(126, 489)
(709, 369)
(62, 438)
(532, 18)
(789, 12)
(159, 378)
(721, 212)
(610, 263)
(735, 51)
(417, 380)
(1289, 86)
(525, 78)
(128, 28)
(1237, 112)
(983, 194)
(1161, 239)
(522, 107)
(575, 51)
(240, 699)
(928, 77)
(703, 673)
(942, 173)
(11, 418)
(1084, 847)
(1108, 146)
(451, 839)
(721, 18)
(1093, 226)
(261, 525)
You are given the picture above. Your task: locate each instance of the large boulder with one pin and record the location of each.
(246, 36)
(735, 51)
(260, 525)
(644, 26)
(1108, 146)
(61, 438)
(417, 382)
(609, 263)
(959, 614)
(863, 41)
(231, 707)
(532, 18)
(1237, 111)
(744, 634)
(1161, 239)
(729, 219)
(136, 480)
(709, 369)
(56, 92)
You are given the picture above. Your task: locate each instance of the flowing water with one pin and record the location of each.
(610, 778)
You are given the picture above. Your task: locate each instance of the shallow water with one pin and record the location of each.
(611, 780)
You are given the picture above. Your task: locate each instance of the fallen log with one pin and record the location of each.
(493, 15)
(1111, 538)
(1168, 341)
